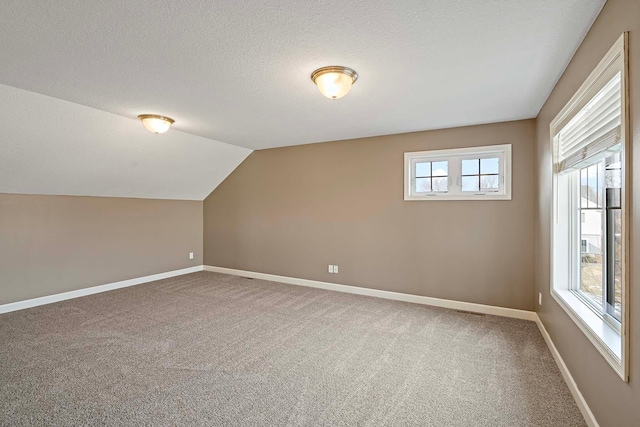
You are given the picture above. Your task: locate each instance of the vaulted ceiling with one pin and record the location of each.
(50, 146)
(235, 77)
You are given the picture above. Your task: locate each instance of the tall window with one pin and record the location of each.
(476, 173)
(589, 222)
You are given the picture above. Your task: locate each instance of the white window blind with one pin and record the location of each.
(594, 130)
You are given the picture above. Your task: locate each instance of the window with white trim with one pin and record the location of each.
(476, 173)
(589, 221)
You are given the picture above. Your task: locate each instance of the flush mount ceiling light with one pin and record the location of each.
(156, 124)
(335, 81)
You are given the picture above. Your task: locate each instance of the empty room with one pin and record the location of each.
(297, 213)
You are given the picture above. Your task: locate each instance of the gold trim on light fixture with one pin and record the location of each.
(156, 123)
(334, 81)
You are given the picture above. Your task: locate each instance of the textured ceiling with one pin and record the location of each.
(238, 72)
(49, 146)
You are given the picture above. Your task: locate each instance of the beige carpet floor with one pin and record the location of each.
(216, 350)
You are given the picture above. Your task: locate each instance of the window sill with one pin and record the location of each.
(458, 197)
(604, 337)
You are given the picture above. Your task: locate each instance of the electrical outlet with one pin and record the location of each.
(190, 255)
(335, 269)
(330, 268)
(540, 298)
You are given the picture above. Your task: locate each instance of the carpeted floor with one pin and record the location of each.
(216, 350)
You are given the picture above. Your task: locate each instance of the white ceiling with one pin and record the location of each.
(50, 146)
(238, 72)
(74, 75)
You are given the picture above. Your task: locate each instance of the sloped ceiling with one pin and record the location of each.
(50, 146)
(238, 72)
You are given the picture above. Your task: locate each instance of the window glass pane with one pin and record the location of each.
(617, 263)
(440, 168)
(613, 178)
(423, 169)
(489, 166)
(600, 184)
(591, 263)
(613, 252)
(592, 257)
(613, 175)
(584, 200)
(489, 183)
(471, 167)
(441, 185)
(470, 183)
(592, 186)
(423, 185)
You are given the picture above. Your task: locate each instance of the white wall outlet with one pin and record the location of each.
(540, 298)
(190, 255)
(330, 268)
(335, 269)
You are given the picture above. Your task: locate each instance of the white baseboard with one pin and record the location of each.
(568, 378)
(20, 305)
(437, 302)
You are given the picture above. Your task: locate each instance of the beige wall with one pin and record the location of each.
(53, 244)
(292, 211)
(613, 402)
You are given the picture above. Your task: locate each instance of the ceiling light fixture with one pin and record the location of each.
(335, 81)
(156, 124)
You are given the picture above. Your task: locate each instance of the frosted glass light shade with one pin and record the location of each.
(156, 124)
(335, 81)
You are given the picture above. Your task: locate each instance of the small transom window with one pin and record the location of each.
(477, 173)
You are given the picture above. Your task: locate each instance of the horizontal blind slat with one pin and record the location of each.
(601, 118)
(600, 147)
(612, 97)
(593, 130)
(603, 111)
(608, 124)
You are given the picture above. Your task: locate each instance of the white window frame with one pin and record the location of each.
(611, 340)
(454, 157)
